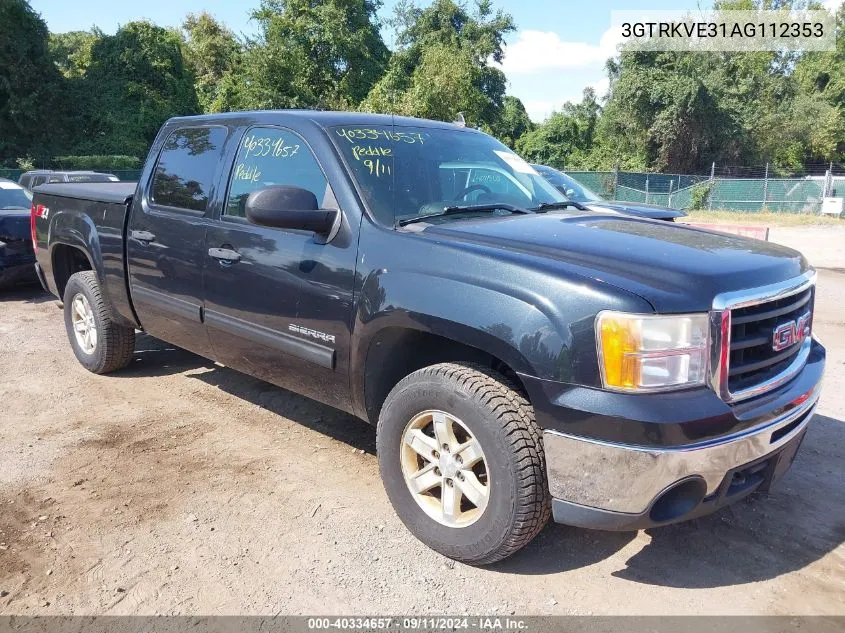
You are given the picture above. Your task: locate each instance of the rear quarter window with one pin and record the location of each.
(186, 166)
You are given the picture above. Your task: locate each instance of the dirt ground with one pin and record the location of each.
(182, 487)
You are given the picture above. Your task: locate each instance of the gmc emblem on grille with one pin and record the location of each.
(791, 333)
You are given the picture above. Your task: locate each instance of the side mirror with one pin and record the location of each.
(287, 207)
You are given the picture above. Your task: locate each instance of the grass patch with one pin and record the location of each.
(763, 218)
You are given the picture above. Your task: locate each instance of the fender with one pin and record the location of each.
(518, 330)
(74, 228)
(77, 230)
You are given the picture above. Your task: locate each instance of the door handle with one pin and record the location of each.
(225, 255)
(142, 236)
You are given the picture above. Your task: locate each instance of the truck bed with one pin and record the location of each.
(114, 192)
(92, 216)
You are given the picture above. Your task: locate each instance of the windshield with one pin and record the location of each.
(13, 197)
(567, 185)
(406, 172)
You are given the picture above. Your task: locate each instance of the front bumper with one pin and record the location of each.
(616, 487)
(670, 470)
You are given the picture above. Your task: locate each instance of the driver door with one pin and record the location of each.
(279, 303)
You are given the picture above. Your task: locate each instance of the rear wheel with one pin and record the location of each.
(100, 344)
(462, 461)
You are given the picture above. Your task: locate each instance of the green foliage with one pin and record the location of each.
(28, 82)
(566, 137)
(513, 123)
(71, 52)
(211, 53)
(100, 99)
(679, 112)
(115, 162)
(309, 55)
(443, 64)
(672, 108)
(135, 81)
(699, 196)
(25, 164)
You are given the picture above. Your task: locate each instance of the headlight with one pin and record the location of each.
(639, 352)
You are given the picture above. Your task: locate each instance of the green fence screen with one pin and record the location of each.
(749, 195)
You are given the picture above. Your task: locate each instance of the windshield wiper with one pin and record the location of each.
(548, 206)
(466, 208)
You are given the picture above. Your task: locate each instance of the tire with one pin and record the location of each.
(113, 344)
(490, 410)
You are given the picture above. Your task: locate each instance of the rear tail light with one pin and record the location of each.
(33, 210)
(36, 211)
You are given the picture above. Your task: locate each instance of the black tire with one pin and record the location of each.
(115, 343)
(502, 420)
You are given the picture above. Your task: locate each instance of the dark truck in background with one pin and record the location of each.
(519, 357)
(31, 179)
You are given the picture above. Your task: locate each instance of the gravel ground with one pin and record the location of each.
(182, 487)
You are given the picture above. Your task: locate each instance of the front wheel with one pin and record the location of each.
(461, 458)
(100, 344)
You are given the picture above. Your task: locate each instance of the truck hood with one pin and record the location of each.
(14, 224)
(642, 210)
(674, 267)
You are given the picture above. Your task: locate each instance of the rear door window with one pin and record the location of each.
(186, 166)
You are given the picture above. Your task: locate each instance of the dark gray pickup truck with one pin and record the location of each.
(520, 358)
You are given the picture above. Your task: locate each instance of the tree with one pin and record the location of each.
(211, 53)
(821, 80)
(136, 80)
(28, 82)
(566, 137)
(671, 109)
(675, 111)
(71, 52)
(309, 55)
(513, 123)
(443, 47)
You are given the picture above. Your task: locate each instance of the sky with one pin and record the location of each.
(560, 46)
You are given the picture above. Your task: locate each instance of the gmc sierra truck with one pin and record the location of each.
(520, 357)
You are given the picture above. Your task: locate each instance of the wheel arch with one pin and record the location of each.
(406, 320)
(74, 246)
(396, 351)
(66, 260)
(73, 242)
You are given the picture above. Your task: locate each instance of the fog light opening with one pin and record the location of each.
(680, 499)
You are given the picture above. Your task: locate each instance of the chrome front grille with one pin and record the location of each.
(752, 357)
(744, 358)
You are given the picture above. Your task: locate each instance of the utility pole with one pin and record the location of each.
(710, 188)
(615, 180)
(766, 186)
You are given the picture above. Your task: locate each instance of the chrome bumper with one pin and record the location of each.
(628, 479)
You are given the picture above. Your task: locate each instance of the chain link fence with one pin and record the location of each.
(742, 189)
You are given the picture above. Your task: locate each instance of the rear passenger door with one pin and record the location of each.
(166, 236)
